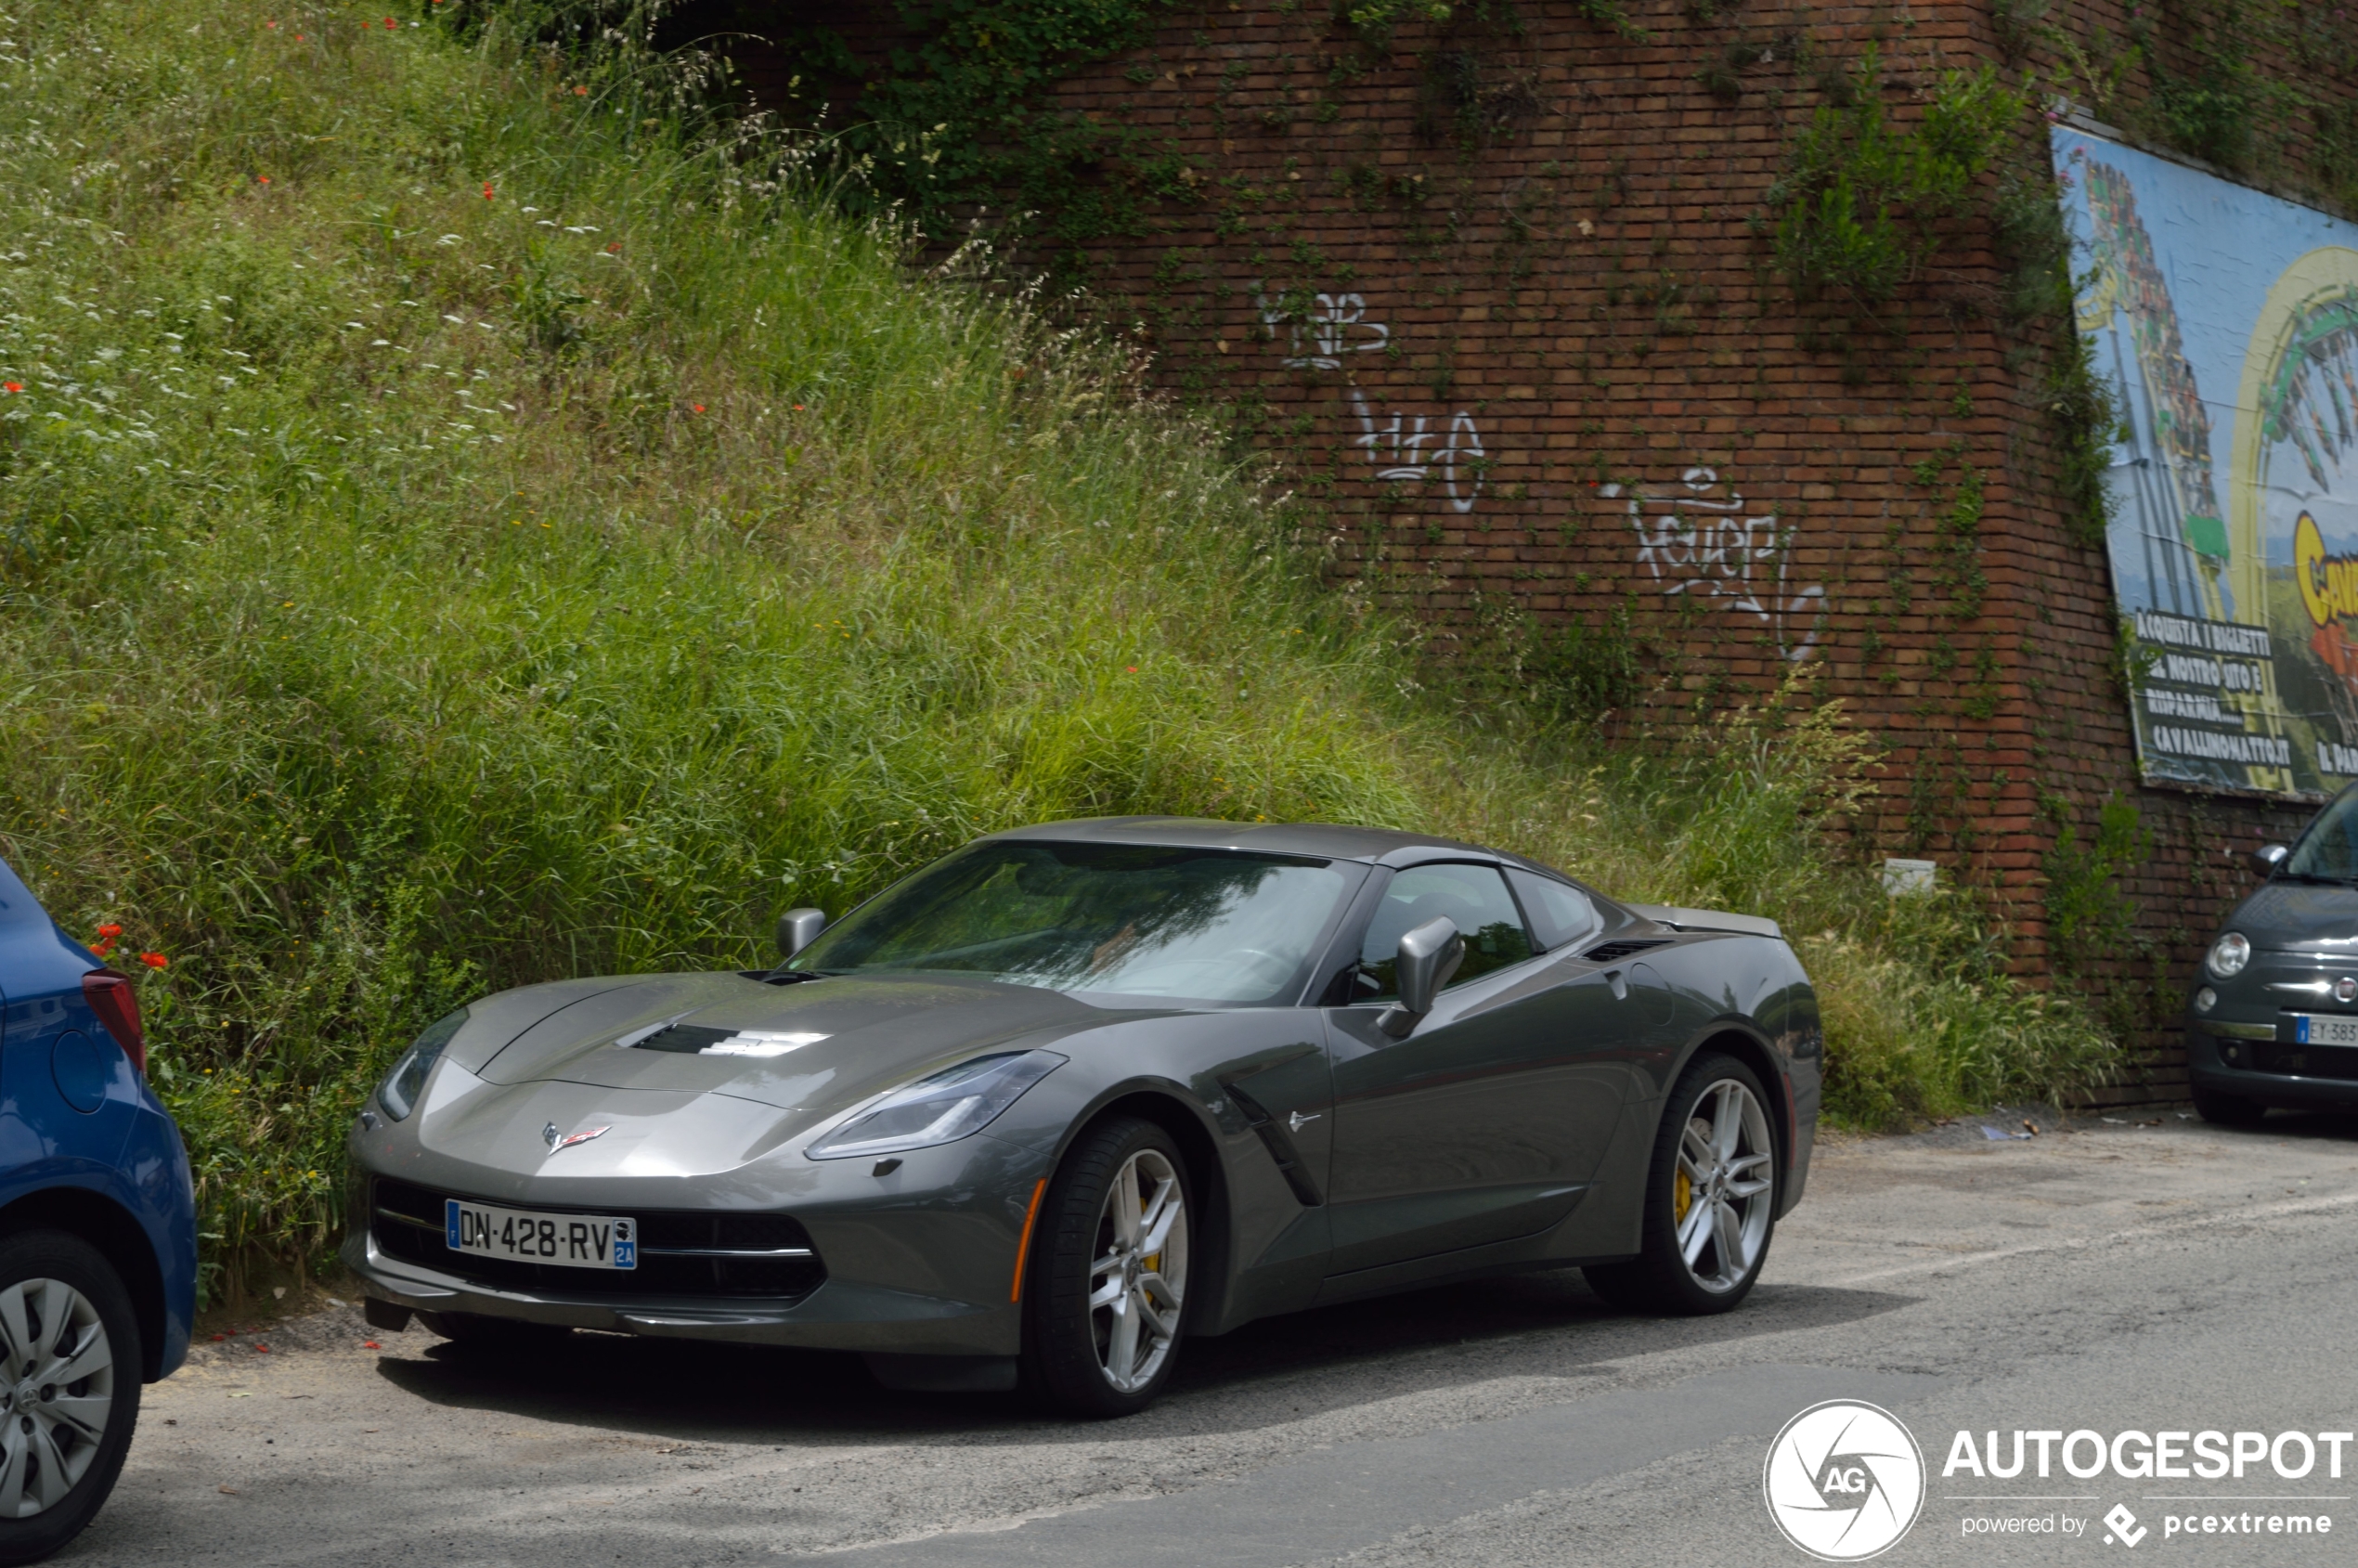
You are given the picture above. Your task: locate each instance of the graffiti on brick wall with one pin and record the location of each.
(1335, 325)
(1696, 539)
(1403, 445)
(1408, 448)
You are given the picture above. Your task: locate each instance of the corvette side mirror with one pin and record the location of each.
(798, 928)
(1428, 957)
(2267, 858)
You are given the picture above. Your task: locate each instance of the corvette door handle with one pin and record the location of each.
(1297, 1122)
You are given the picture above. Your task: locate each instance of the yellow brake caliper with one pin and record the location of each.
(1682, 1194)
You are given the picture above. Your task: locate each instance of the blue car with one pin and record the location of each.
(97, 1229)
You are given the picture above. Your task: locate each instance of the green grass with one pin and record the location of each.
(464, 523)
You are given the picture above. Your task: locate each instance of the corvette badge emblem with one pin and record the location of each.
(559, 1144)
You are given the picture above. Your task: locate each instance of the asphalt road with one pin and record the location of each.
(2123, 1277)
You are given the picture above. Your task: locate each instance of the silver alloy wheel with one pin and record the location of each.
(56, 1392)
(1140, 1278)
(1724, 1187)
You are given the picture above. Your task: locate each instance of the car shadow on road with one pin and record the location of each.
(1274, 1371)
(1535, 1324)
(2315, 1126)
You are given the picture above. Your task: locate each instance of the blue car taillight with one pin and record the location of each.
(110, 996)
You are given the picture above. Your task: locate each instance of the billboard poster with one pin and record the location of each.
(2228, 320)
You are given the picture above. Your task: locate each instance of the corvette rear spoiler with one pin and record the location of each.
(1708, 920)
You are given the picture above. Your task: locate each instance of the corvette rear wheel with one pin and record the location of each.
(1105, 1300)
(69, 1360)
(1711, 1197)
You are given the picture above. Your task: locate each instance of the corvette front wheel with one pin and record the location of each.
(1105, 1296)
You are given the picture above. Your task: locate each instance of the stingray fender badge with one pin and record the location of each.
(559, 1144)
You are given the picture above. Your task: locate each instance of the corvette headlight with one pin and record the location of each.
(2229, 954)
(939, 1110)
(398, 1094)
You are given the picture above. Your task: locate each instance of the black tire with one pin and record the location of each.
(72, 1262)
(2227, 1110)
(1659, 1278)
(1064, 1341)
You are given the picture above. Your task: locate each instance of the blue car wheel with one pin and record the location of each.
(69, 1360)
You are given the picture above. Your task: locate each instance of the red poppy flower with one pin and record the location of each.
(391, 24)
(264, 180)
(109, 929)
(154, 960)
(365, 1344)
(486, 190)
(13, 386)
(614, 247)
(270, 24)
(698, 406)
(1133, 669)
(578, 92)
(798, 407)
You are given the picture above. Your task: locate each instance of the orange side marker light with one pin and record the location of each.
(1023, 1247)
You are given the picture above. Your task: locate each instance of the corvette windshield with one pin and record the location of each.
(1200, 924)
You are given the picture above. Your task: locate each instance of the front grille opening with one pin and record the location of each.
(681, 1254)
(2336, 1062)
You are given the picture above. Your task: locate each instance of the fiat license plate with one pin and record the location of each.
(567, 1241)
(2324, 1031)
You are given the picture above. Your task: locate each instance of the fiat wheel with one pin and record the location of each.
(1107, 1296)
(1711, 1197)
(69, 1389)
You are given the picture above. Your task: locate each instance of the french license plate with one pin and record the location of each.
(567, 1241)
(2324, 1031)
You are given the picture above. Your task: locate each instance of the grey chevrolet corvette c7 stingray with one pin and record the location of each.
(1041, 1110)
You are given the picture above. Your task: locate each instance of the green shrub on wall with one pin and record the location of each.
(1861, 200)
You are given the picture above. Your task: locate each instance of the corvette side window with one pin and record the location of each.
(1472, 896)
(1559, 915)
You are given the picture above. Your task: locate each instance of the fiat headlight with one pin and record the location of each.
(398, 1094)
(2229, 954)
(939, 1110)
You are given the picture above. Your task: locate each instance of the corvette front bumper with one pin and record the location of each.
(838, 1316)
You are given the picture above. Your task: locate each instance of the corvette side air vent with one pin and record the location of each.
(1614, 952)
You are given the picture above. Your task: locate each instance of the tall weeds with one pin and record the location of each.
(466, 521)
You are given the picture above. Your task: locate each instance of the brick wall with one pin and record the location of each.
(1500, 295)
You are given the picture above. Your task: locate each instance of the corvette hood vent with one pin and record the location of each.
(699, 1039)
